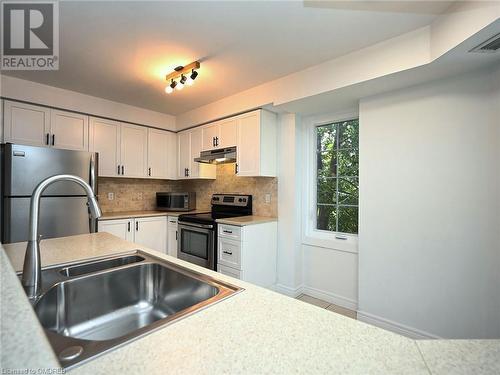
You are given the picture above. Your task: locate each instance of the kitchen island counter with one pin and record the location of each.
(253, 332)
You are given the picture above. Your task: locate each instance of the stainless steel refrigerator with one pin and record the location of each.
(63, 206)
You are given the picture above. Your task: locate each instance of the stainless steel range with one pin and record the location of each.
(198, 232)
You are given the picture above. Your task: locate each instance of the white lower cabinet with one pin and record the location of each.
(249, 252)
(146, 231)
(152, 232)
(120, 228)
(172, 236)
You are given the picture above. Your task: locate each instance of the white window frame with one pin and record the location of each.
(310, 235)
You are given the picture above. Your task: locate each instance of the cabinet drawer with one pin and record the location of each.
(229, 231)
(228, 253)
(228, 271)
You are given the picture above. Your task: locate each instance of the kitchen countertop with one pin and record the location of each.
(134, 214)
(253, 332)
(241, 221)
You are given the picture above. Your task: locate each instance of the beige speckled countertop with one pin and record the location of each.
(256, 331)
(133, 214)
(246, 220)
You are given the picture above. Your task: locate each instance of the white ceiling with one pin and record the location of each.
(122, 50)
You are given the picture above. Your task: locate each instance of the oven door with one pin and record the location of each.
(196, 244)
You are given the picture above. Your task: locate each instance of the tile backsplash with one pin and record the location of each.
(140, 194)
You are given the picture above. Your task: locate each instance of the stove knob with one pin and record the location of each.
(240, 200)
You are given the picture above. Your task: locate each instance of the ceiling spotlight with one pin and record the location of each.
(192, 77)
(181, 73)
(170, 88)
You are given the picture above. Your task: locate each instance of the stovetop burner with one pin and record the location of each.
(223, 206)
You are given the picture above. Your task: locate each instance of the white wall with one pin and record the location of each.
(20, 89)
(331, 275)
(429, 242)
(289, 268)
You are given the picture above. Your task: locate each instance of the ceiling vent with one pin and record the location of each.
(490, 46)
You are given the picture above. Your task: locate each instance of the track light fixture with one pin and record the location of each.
(181, 73)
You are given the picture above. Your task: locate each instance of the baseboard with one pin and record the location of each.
(331, 297)
(395, 327)
(288, 291)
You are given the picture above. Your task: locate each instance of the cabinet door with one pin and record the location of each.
(196, 140)
(228, 271)
(172, 156)
(122, 228)
(134, 150)
(210, 135)
(69, 130)
(26, 124)
(152, 232)
(158, 153)
(248, 147)
(228, 133)
(172, 236)
(184, 154)
(105, 139)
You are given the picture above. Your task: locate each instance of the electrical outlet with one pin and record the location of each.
(111, 196)
(267, 198)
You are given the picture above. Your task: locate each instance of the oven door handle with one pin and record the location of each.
(196, 225)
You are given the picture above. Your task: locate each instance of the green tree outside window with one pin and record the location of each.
(337, 162)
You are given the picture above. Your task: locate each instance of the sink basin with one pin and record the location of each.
(90, 267)
(90, 307)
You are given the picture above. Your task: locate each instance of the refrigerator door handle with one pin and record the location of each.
(92, 180)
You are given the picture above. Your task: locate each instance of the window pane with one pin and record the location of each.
(327, 164)
(327, 190)
(337, 166)
(348, 162)
(349, 134)
(326, 139)
(348, 190)
(326, 217)
(348, 219)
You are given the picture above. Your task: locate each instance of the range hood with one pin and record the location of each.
(219, 156)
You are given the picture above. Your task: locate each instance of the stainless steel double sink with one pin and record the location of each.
(90, 307)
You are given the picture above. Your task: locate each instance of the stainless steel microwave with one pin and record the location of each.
(176, 201)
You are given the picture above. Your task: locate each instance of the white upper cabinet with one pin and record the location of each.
(105, 139)
(256, 146)
(162, 150)
(210, 136)
(228, 133)
(196, 134)
(190, 146)
(184, 151)
(219, 134)
(26, 124)
(69, 130)
(39, 126)
(133, 150)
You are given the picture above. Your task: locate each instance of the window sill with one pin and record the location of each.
(328, 241)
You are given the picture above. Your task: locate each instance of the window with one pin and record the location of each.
(337, 162)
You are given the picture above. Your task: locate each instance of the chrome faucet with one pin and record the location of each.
(32, 270)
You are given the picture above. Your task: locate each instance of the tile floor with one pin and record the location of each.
(327, 305)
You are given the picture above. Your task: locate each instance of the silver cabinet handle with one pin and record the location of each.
(227, 252)
(128, 226)
(149, 171)
(118, 169)
(123, 170)
(228, 231)
(341, 237)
